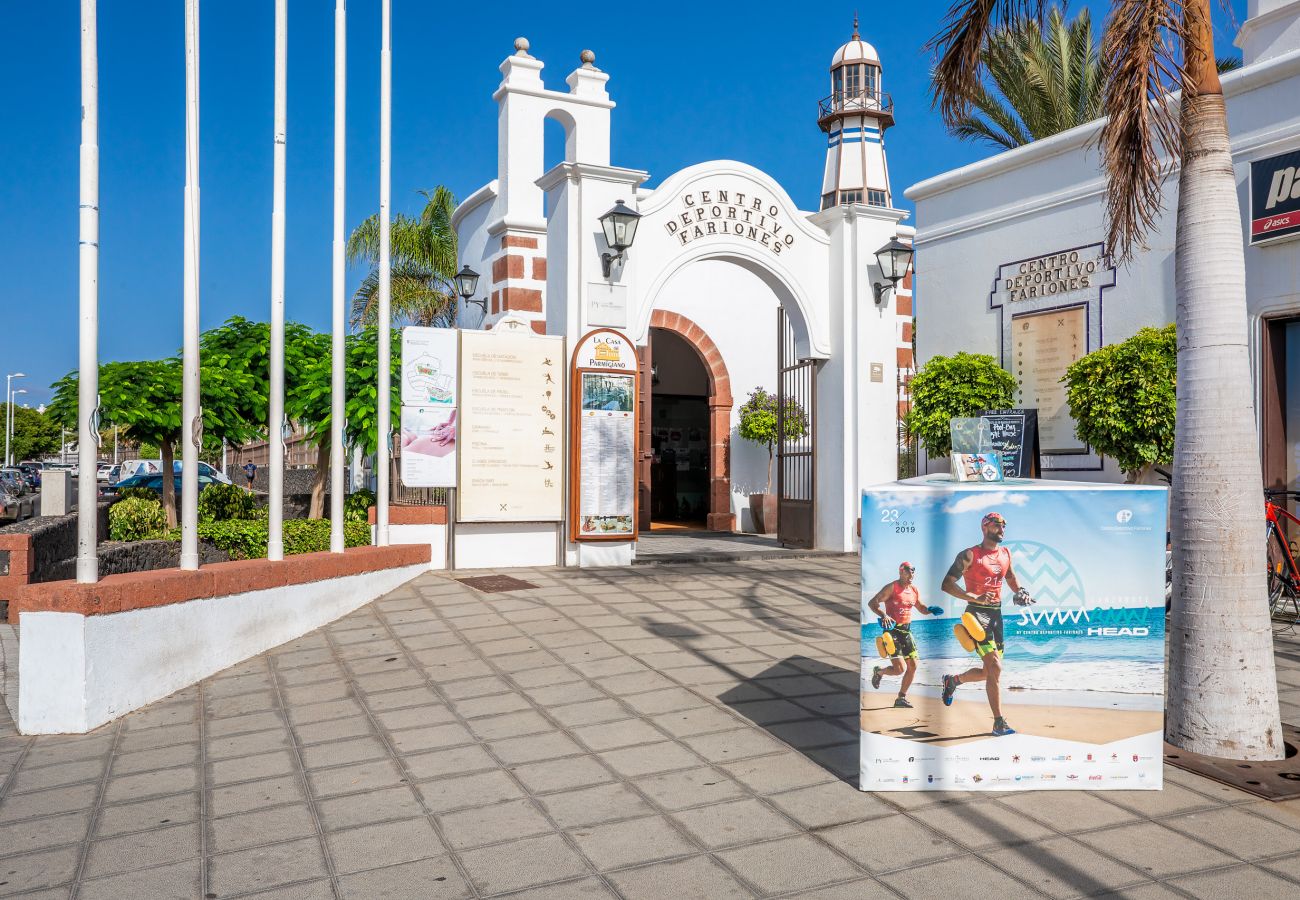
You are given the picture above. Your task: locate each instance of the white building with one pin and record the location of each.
(722, 251)
(1012, 246)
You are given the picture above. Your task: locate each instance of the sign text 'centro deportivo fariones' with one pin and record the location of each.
(708, 213)
(1055, 274)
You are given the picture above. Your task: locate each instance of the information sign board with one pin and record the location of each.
(1043, 345)
(429, 363)
(604, 445)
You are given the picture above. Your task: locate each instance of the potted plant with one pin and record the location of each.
(758, 423)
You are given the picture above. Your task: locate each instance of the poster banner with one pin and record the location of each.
(429, 366)
(511, 427)
(605, 438)
(428, 446)
(1012, 636)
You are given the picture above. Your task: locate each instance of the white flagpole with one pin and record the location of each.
(338, 374)
(275, 522)
(191, 411)
(384, 417)
(88, 300)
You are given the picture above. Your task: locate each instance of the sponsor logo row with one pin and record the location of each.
(977, 778)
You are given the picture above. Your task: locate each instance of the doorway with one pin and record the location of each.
(1280, 404)
(680, 439)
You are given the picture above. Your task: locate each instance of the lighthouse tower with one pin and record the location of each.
(855, 117)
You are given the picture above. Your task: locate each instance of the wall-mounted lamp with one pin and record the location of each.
(619, 225)
(895, 258)
(467, 284)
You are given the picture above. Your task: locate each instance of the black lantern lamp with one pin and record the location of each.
(895, 258)
(467, 284)
(619, 225)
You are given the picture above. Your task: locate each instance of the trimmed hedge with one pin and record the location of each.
(139, 493)
(356, 507)
(223, 502)
(134, 518)
(245, 539)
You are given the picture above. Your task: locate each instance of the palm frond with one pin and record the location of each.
(959, 48)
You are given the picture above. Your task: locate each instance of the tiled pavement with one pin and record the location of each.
(663, 732)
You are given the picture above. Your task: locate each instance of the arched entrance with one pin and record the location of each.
(687, 405)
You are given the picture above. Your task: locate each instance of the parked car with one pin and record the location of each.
(32, 470)
(13, 478)
(102, 470)
(114, 475)
(155, 482)
(133, 467)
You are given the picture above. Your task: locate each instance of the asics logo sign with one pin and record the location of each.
(1285, 186)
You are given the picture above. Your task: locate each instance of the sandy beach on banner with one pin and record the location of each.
(930, 722)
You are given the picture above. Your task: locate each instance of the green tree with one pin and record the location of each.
(1122, 400)
(760, 423)
(363, 388)
(949, 387)
(422, 263)
(1042, 79)
(35, 434)
(1165, 110)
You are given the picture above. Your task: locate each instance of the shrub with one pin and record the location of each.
(949, 387)
(244, 539)
(135, 518)
(356, 508)
(224, 502)
(758, 423)
(140, 493)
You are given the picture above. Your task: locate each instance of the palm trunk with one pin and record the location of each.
(317, 510)
(1222, 686)
(168, 482)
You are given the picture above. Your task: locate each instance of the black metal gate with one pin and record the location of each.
(795, 412)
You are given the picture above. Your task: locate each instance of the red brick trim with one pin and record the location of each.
(412, 515)
(539, 326)
(141, 590)
(720, 517)
(19, 548)
(539, 268)
(521, 299)
(514, 240)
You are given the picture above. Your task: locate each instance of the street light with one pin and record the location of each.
(9, 409)
(467, 284)
(895, 258)
(619, 225)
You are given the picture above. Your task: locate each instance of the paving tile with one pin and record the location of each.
(662, 701)
(383, 844)
(250, 829)
(588, 806)
(1069, 811)
(149, 784)
(696, 878)
(45, 832)
(520, 864)
(579, 889)
(248, 744)
(648, 759)
(448, 794)
(783, 772)
(180, 880)
(560, 774)
(1238, 832)
(493, 824)
(514, 751)
(1240, 881)
(266, 867)
(37, 779)
(966, 877)
(333, 730)
(727, 746)
(831, 803)
(698, 720)
(263, 721)
(788, 864)
(337, 753)
(886, 843)
(402, 699)
(42, 803)
(618, 844)
(248, 768)
(1173, 799)
(350, 779)
(1155, 850)
(613, 735)
(858, 889)
(692, 787)
(508, 725)
(142, 849)
(728, 824)
(252, 795)
(1062, 867)
(454, 761)
(122, 818)
(366, 809)
(427, 879)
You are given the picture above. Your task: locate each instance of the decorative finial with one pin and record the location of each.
(588, 58)
(856, 36)
(521, 46)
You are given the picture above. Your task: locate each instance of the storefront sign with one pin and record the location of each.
(1042, 347)
(708, 213)
(511, 427)
(604, 380)
(1057, 276)
(1071, 616)
(1275, 197)
(428, 450)
(429, 358)
(606, 305)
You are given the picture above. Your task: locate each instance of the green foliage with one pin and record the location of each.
(1122, 399)
(363, 387)
(223, 502)
(357, 505)
(134, 518)
(138, 493)
(35, 434)
(949, 387)
(248, 539)
(759, 422)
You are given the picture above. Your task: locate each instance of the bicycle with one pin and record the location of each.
(1283, 573)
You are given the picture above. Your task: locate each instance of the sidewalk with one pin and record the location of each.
(683, 731)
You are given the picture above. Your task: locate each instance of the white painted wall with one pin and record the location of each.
(490, 545)
(78, 672)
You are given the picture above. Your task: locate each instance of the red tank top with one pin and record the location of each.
(986, 570)
(899, 603)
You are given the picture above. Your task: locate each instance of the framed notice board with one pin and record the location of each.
(603, 442)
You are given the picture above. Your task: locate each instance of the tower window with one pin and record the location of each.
(872, 84)
(852, 80)
(876, 198)
(850, 197)
(828, 200)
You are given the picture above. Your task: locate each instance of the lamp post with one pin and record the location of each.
(383, 404)
(619, 225)
(895, 258)
(275, 402)
(467, 284)
(338, 330)
(9, 410)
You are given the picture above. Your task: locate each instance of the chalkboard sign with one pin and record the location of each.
(1015, 437)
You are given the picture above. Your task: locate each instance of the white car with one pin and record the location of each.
(102, 470)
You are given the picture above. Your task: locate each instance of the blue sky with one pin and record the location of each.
(692, 83)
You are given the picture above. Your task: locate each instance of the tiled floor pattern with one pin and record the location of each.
(664, 732)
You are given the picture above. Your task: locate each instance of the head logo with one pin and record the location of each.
(1124, 516)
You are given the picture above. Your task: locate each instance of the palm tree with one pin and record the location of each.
(423, 266)
(1165, 111)
(1045, 79)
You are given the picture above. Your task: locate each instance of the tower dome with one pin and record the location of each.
(855, 117)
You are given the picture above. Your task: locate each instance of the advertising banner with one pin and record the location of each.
(428, 446)
(1275, 197)
(604, 454)
(429, 366)
(1012, 636)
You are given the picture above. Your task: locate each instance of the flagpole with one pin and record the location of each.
(88, 301)
(338, 372)
(191, 411)
(275, 411)
(384, 412)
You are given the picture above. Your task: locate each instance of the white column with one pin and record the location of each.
(338, 374)
(275, 416)
(383, 419)
(191, 412)
(88, 301)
